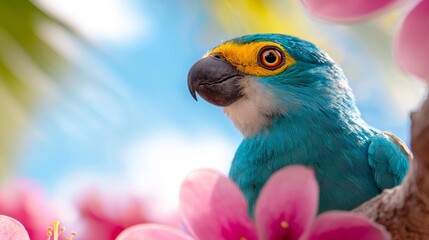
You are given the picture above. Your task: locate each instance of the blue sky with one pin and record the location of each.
(125, 115)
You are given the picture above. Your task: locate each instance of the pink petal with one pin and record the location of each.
(105, 213)
(152, 232)
(11, 229)
(344, 10)
(25, 201)
(344, 225)
(411, 45)
(287, 204)
(213, 207)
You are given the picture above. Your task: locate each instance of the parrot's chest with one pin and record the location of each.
(320, 156)
(340, 164)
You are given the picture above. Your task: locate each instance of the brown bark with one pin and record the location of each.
(404, 210)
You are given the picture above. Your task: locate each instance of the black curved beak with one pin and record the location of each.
(215, 80)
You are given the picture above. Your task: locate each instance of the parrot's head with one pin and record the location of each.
(256, 78)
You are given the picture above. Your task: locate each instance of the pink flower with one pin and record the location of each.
(11, 229)
(152, 231)
(412, 42)
(25, 201)
(345, 10)
(104, 216)
(411, 48)
(213, 207)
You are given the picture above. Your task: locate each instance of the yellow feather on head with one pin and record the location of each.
(246, 57)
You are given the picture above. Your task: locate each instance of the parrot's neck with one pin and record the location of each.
(255, 109)
(260, 105)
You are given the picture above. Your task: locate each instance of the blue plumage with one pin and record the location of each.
(304, 114)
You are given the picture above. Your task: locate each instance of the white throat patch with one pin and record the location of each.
(253, 111)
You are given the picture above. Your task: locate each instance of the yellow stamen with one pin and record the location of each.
(243, 238)
(55, 231)
(73, 234)
(284, 224)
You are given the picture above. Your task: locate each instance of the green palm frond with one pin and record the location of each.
(28, 65)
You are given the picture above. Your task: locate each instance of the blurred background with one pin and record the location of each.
(96, 118)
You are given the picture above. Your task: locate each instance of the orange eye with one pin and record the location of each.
(271, 58)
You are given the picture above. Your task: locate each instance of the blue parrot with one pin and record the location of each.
(293, 105)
